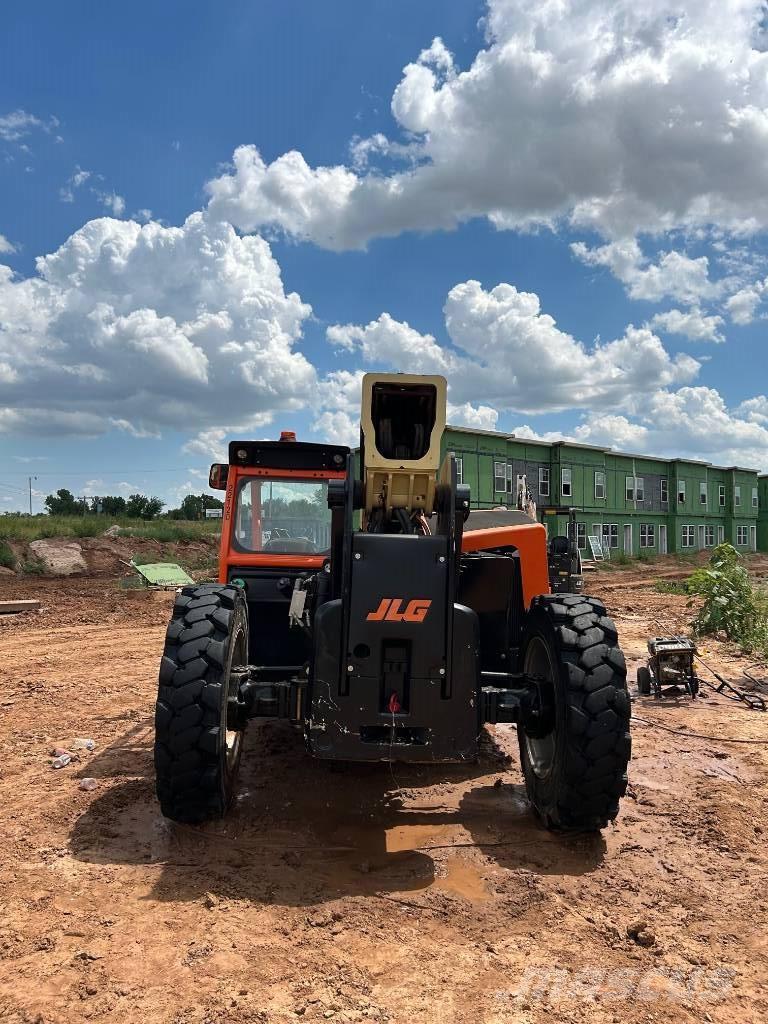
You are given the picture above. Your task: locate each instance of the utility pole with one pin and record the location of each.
(30, 493)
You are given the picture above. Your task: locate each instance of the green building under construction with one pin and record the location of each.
(635, 503)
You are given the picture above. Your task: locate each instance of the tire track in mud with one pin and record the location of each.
(342, 893)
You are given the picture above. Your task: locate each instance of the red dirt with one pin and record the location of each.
(412, 895)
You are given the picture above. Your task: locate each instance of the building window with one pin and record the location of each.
(665, 491)
(581, 536)
(720, 534)
(511, 483)
(565, 482)
(600, 485)
(635, 488)
(702, 493)
(737, 496)
(742, 536)
(709, 536)
(721, 495)
(681, 492)
(610, 533)
(689, 537)
(647, 535)
(754, 498)
(500, 476)
(459, 471)
(543, 483)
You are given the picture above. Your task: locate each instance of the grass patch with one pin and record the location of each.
(86, 528)
(28, 528)
(670, 587)
(621, 559)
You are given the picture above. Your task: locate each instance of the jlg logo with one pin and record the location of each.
(391, 610)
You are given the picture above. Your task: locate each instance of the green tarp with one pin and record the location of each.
(163, 574)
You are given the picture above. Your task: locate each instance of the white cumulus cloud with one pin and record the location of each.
(508, 354)
(616, 116)
(743, 304)
(676, 275)
(691, 323)
(145, 328)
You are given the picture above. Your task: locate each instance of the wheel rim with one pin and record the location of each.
(538, 664)
(233, 734)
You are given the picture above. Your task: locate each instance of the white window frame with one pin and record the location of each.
(742, 536)
(499, 476)
(634, 488)
(581, 536)
(664, 491)
(721, 535)
(459, 469)
(703, 493)
(543, 482)
(600, 483)
(755, 498)
(566, 480)
(721, 495)
(688, 537)
(647, 535)
(737, 496)
(681, 494)
(709, 536)
(511, 481)
(610, 532)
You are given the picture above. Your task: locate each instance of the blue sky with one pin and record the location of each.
(574, 238)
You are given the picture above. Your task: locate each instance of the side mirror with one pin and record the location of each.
(217, 478)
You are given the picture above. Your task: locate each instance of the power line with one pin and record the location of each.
(99, 472)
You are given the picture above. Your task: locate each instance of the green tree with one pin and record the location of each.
(139, 506)
(63, 503)
(112, 505)
(153, 508)
(194, 505)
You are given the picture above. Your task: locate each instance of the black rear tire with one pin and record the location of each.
(575, 762)
(198, 731)
(644, 681)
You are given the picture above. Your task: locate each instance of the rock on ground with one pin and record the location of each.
(62, 558)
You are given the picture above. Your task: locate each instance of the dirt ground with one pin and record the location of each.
(410, 895)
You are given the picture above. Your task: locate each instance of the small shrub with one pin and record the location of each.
(33, 566)
(730, 603)
(7, 558)
(621, 559)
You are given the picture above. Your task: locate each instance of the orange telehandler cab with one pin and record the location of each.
(360, 607)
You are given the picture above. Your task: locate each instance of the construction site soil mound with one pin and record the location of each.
(108, 555)
(410, 895)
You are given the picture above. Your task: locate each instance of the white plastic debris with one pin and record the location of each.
(61, 761)
(83, 743)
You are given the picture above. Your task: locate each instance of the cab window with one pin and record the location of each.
(282, 517)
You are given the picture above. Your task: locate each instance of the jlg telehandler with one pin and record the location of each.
(356, 605)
